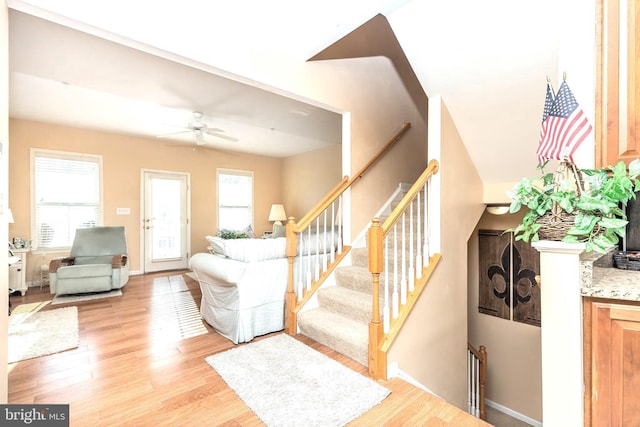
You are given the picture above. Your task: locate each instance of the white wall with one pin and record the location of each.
(4, 188)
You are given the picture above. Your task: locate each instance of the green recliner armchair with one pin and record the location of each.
(97, 263)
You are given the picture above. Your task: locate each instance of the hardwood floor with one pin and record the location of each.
(141, 363)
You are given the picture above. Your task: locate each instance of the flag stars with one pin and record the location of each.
(564, 125)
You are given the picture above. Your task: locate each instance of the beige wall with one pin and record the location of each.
(4, 139)
(514, 352)
(304, 182)
(374, 94)
(431, 347)
(123, 159)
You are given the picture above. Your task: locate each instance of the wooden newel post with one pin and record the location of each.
(483, 380)
(290, 321)
(377, 364)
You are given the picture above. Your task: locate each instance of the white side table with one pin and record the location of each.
(18, 271)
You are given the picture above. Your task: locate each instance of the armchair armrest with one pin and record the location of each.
(119, 261)
(60, 262)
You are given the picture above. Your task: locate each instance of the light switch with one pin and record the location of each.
(123, 211)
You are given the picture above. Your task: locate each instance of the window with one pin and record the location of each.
(66, 195)
(235, 199)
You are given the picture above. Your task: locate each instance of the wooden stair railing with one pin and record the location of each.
(477, 379)
(326, 217)
(406, 255)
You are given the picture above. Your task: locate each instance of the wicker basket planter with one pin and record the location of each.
(555, 224)
(576, 206)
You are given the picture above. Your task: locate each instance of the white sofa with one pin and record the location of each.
(241, 300)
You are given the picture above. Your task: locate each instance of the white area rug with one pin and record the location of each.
(39, 333)
(65, 299)
(287, 383)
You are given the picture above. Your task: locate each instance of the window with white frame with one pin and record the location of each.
(67, 194)
(235, 199)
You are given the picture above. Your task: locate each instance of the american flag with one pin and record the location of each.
(548, 103)
(564, 127)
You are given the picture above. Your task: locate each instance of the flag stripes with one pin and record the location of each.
(564, 126)
(548, 104)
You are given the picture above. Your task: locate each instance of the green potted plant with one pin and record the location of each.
(573, 205)
(232, 234)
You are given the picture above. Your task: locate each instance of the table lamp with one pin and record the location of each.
(277, 214)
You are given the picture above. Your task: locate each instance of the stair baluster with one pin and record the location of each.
(298, 295)
(403, 299)
(477, 378)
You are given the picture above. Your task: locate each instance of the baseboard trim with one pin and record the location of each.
(393, 371)
(512, 413)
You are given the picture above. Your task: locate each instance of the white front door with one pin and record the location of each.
(165, 220)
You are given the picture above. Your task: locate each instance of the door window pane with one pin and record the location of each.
(166, 218)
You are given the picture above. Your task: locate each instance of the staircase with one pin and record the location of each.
(341, 320)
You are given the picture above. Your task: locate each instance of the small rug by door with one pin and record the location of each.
(286, 383)
(38, 333)
(65, 299)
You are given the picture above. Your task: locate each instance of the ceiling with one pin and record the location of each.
(487, 60)
(64, 76)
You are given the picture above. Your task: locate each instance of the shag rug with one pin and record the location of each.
(38, 333)
(65, 299)
(287, 383)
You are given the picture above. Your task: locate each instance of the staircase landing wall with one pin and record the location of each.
(431, 347)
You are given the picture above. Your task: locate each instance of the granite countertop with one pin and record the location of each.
(610, 282)
(601, 279)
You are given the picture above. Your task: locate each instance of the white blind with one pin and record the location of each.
(235, 198)
(66, 197)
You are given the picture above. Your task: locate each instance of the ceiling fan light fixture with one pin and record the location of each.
(198, 129)
(198, 137)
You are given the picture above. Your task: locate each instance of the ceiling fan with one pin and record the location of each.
(199, 129)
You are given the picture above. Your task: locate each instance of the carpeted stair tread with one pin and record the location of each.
(360, 257)
(344, 335)
(341, 320)
(346, 302)
(356, 278)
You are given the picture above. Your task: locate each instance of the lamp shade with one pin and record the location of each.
(10, 216)
(277, 214)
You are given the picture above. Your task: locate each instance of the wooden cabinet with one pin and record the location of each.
(617, 121)
(612, 363)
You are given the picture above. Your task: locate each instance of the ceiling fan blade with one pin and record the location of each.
(166, 135)
(218, 135)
